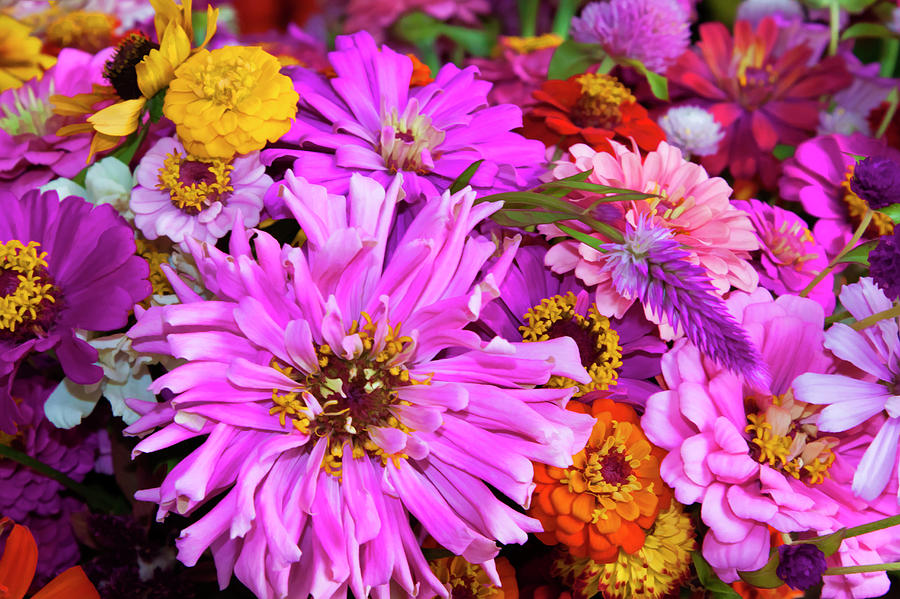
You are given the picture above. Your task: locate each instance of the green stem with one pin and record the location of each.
(867, 218)
(837, 317)
(606, 65)
(857, 569)
(870, 320)
(892, 100)
(872, 526)
(94, 500)
(834, 22)
(528, 10)
(890, 47)
(563, 18)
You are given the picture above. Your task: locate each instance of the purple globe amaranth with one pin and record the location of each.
(800, 566)
(884, 264)
(877, 180)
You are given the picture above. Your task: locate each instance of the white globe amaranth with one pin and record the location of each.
(693, 130)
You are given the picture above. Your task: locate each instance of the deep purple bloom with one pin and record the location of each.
(884, 264)
(64, 265)
(340, 379)
(368, 120)
(877, 180)
(801, 565)
(653, 267)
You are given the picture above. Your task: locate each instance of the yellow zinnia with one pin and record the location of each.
(230, 101)
(20, 54)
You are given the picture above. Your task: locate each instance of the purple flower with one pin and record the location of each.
(656, 32)
(800, 566)
(884, 264)
(652, 267)
(340, 379)
(64, 265)
(877, 180)
(368, 120)
(852, 401)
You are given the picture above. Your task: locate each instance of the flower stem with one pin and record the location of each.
(857, 569)
(563, 17)
(838, 316)
(528, 17)
(872, 526)
(863, 225)
(889, 50)
(870, 320)
(892, 100)
(834, 22)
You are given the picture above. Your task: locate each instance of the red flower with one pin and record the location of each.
(590, 109)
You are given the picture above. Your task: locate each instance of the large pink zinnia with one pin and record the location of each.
(761, 96)
(336, 392)
(706, 418)
(695, 207)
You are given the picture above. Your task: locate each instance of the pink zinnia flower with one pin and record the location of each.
(744, 481)
(181, 197)
(818, 175)
(339, 379)
(695, 207)
(30, 151)
(761, 97)
(789, 257)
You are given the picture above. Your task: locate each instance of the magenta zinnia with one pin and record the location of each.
(339, 380)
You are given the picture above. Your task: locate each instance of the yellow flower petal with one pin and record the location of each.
(119, 119)
(212, 15)
(154, 73)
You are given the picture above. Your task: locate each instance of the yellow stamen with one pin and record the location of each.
(21, 305)
(197, 196)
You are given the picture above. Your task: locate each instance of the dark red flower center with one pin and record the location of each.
(614, 468)
(29, 300)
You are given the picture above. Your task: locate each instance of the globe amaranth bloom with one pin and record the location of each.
(746, 482)
(180, 196)
(64, 265)
(30, 151)
(592, 109)
(800, 566)
(884, 264)
(852, 401)
(692, 129)
(368, 120)
(318, 376)
(876, 180)
(789, 257)
(760, 97)
(655, 32)
(819, 176)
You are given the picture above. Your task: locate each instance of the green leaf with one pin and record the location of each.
(765, 577)
(573, 58)
(859, 254)
(855, 5)
(892, 211)
(155, 105)
(712, 583)
(827, 544)
(783, 152)
(198, 22)
(659, 85)
(464, 177)
(478, 42)
(126, 151)
(418, 28)
(527, 218)
(583, 237)
(866, 30)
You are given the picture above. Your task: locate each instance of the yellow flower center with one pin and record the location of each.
(598, 344)
(600, 101)
(26, 289)
(193, 183)
(155, 255)
(783, 438)
(346, 399)
(408, 142)
(88, 31)
(465, 580)
(229, 80)
(527, 45)
(857, 207)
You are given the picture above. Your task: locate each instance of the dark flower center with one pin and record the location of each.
(120, 69)
(614, 468)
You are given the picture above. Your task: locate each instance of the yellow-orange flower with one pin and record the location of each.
(20, 54)
(470, 581)
(230, 101)
(611, 494)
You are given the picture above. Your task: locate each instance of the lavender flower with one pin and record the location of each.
(800, 566)
(654, 268)
(884, 264)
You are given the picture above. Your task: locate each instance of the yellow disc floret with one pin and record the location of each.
(601, 97)
(193, 184)
(25, 283)
(230, 101)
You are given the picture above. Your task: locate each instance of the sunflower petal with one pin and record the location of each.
(120, 118)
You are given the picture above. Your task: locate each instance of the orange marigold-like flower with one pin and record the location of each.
(471, 581)
(592, 109)
(610, 496)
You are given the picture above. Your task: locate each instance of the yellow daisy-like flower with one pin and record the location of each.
(20, 54)
(230, 101)
(137, 72)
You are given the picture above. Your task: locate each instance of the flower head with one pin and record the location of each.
(654, 32)
(462, 579)
(884, 264)
(180, 196)
(876, 180)
(367, 119)
(590, 108)
(230, 101)
(801, 565)
(340, 377)
(21, 58)
(64, 265)
(692, 129)
(520, 68)
(760, 97)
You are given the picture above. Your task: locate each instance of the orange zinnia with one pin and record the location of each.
(610, 496)
(591, 109)
(18, 564)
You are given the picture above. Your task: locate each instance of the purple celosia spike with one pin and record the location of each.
(653, 267)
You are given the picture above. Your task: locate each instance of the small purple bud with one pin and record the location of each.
(877, 181)
(800, 566)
